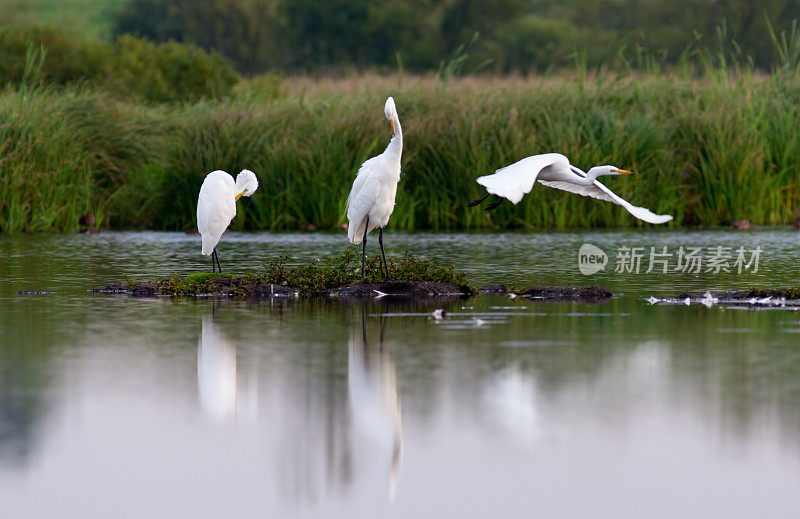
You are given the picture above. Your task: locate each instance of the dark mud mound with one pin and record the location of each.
(757, 293)
(247, 288)
(137, 290)
(580, 294)
(495, 290)
(223, 287)
(405, 290)
(756, 298)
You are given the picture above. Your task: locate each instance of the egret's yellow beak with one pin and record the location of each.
(391, 123)
(240, 195)
(624, 172)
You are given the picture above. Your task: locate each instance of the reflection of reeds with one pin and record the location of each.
(711, 150)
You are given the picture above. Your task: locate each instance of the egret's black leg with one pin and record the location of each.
(383, 254)
(215, 255)
(494, 204)
(364, 251)
(213, 267)
(478, 201)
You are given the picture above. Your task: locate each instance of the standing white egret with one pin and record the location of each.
(554, 170)
(371, 200)
(216, 206)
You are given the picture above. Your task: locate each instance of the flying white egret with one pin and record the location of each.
(216, 206)
(371, 200)
(554, 170)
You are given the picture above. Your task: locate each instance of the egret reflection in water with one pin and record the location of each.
(511, 400)
(374, 400)
(216, 372)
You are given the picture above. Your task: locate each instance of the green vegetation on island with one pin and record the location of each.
(338, 276)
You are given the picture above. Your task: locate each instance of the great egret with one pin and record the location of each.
(554, 170)
(371, 200)
(216, 206)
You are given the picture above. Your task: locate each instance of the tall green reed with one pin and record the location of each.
(710, 149)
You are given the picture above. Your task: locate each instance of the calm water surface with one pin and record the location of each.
(112, 406)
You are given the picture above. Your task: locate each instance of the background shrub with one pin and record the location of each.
(67, 59)
(169, 71)
(131, 67)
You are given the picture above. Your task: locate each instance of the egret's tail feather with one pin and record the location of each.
(504, 185)
(208, 245)
(355, 231)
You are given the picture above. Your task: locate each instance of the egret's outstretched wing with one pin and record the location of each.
(578, 189)
(517, 179)
(363, 195)
(601, 192)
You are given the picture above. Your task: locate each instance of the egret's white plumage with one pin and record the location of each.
(554, 170)
(216, 204)
(371, 199)
(375, 186)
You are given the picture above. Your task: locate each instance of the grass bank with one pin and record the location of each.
(710, 150)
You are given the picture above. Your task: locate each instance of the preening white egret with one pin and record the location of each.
(554, 170)
(371, 200)
(216, 206)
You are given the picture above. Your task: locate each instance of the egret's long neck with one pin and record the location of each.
(395, 147)
(591, 176)
(588, 180)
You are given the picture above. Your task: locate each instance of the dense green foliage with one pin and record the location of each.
(168, 72)
(242, 30)
(67, 59)
(131, 67)
(710, 151)
(88, 18)
(424, 35)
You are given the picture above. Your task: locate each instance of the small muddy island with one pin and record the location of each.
(339, 278)
(251, 286)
